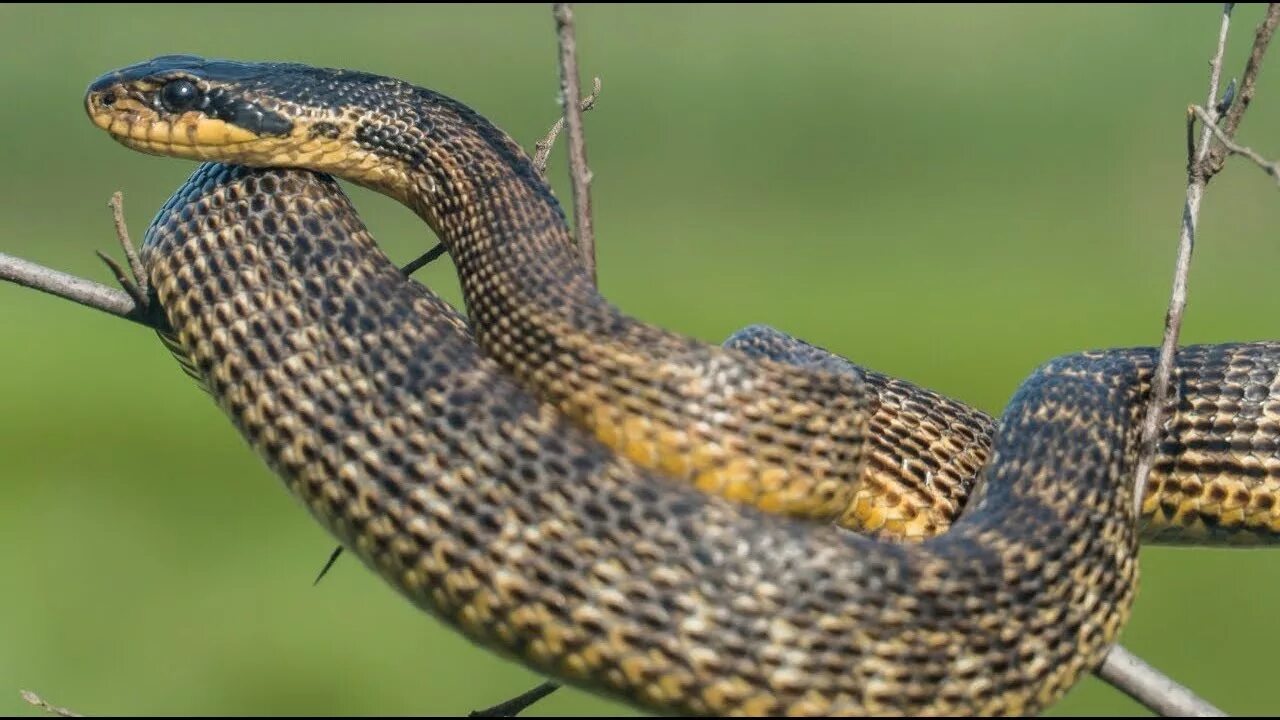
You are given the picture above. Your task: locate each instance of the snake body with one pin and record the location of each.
(494, 511)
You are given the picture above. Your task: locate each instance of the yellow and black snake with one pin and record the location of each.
(498, 514)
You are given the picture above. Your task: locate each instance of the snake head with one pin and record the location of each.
(186, 106)
(257, 114)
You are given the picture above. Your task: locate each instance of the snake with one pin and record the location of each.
(498, 510)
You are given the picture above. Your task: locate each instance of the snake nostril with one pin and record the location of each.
(108, 99)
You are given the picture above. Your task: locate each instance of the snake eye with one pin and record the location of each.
(179, 95)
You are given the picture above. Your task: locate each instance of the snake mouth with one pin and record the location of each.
(196, 139)
(132, 121)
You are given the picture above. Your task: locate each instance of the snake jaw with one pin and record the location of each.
(207, 120)
(188, 137)
(132, 119)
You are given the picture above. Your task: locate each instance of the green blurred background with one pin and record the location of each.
(951, 195)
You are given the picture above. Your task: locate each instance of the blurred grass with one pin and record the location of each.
(948, 194)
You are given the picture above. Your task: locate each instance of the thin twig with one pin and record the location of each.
(1269, 167)
(423, 260)
(571, 99)
(34, 699)
(1178, 298)
(1247, 89)
(328, 564)
(1128, 672)
(122, 278)
(135, 286)
(122, 234)
(519, 703)
(542, 148)
(1120, 668)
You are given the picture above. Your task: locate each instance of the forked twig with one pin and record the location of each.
(122, 234)
(541, 156)
(573, 106)
(131, 303)
(1247, 89)
(1269, 167)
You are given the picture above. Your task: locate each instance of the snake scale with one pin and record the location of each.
(572, 529)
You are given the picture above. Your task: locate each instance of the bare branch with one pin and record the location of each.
(1269, 167)
(543, 147)
(34, 699)
(63, 285)
(131, 304)
(1127, 672)
(571, 97)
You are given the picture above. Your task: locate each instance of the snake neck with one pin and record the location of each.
(481, 194)
(479, 191)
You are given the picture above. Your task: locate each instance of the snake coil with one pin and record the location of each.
(496, 512)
